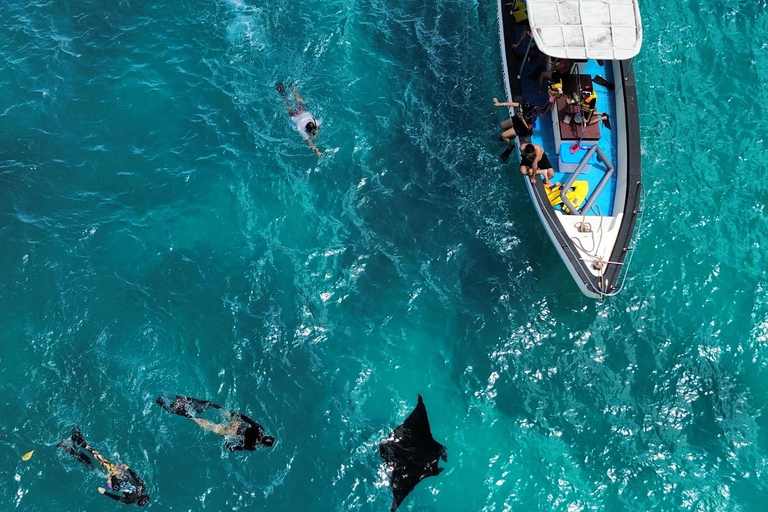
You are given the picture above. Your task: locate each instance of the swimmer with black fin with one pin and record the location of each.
(306, 124)
(239, 431)
(123, 484)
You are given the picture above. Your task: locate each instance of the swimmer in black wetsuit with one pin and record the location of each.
(120, 479)
(239, 431)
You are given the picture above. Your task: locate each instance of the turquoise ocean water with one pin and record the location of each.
(163, 229)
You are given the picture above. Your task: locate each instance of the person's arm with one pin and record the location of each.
(498, 103)
(535, 163)
(121, 497)
(138, 482)
(253, 424)
(234, 447)
(525, 123)
(522, 36)
(314, 148)
(248, 420)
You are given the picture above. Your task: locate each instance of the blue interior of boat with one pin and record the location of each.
(544, 135)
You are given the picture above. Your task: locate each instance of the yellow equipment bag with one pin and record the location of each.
(577, 195)
(520, 11)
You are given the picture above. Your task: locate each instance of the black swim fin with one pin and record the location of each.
(605, 83)
(506, 153)
(77, 437)
(76, 454)
(280, 88)
(607, 122)
(185, 405)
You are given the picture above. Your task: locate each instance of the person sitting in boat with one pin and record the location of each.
(554, 91)
(520, 125)
(534, 161)
(555, 67)
(588, 108)
(306, 124)
(526, 33)
(534, 55)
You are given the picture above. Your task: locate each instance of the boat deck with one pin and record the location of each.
(544, 132)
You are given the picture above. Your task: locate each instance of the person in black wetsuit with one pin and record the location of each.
(123, 484)
(239, 431)
(520, 125)
(534, 161)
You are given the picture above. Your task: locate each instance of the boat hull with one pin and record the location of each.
(594, 245)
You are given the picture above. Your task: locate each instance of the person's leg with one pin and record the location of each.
(525, 170)
(79, 440)
(508, 135)
(200, 406)
(106, 464)
(547, 106)
(545, 75)
(548, 175)
(600, 116)
(212, 427)
(296, 95)
(283, 95)
(596, 117)
(69, 448)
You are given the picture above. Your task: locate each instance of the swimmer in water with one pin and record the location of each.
(306, 124)
(239, 431)
(123, 484)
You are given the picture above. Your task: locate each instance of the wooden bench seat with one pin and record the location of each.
(573, 130)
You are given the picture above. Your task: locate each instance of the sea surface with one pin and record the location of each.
(164, 229)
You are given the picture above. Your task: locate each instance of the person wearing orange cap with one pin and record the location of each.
(588, 106)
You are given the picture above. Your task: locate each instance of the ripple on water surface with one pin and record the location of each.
(165, 230)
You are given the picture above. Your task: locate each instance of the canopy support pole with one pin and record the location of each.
(525, 58)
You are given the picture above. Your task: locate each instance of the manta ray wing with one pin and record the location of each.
(411, 454)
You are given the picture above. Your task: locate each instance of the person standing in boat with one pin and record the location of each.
(306, 124)
(534, 161)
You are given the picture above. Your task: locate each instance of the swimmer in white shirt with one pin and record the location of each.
(306, 124)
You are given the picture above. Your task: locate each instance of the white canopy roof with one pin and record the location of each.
(586, 29)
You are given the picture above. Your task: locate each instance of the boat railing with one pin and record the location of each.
(630, 249)
(601, 157)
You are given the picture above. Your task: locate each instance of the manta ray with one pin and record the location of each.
(411, 454)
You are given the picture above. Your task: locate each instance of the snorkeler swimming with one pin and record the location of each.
(120, 479)
(306, 124)
(239, 431)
